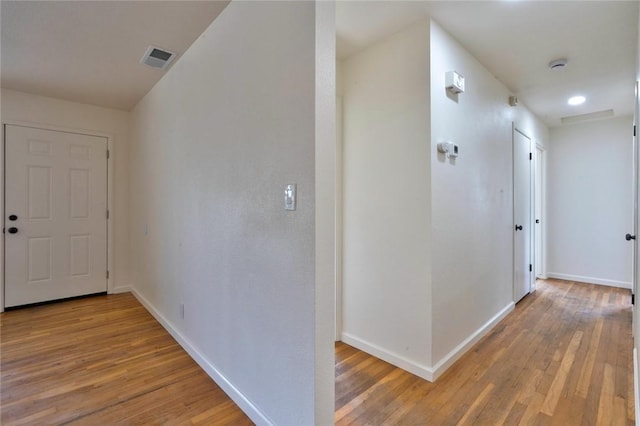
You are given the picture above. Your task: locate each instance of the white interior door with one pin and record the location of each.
(635, 272)
(522, 264)
(55, 215)
(538, 213)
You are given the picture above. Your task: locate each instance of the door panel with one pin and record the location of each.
(521, 215)
(56, 185)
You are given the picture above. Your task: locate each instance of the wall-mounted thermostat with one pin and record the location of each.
(454, 82)
(448, 148)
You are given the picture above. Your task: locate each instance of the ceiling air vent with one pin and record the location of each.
(157, 58)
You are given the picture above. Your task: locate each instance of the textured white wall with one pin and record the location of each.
(590, 207)
(386, 214)
(428, 242)
(472, 196)
(39, 110)
(213, 145)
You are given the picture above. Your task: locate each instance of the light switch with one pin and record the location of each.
(290, 197)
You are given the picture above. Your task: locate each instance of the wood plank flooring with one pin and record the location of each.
(563, 357)
(102, 361)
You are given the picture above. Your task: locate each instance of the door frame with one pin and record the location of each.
(635, 271)
(531, 227)
(543, 210)
(110, 193)
(339, 203)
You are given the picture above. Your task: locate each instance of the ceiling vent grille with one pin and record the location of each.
(585, 117)
(157, 58)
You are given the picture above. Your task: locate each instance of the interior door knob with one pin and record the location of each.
(518, 227)
(629, 237)
(13, 230)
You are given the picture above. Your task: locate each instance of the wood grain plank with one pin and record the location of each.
(543, 364)
(101, 360)
(551, 400)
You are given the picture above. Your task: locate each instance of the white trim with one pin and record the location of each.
(122, 289)
(339, 218)
(590, 280)
(543, 208)
(428, 373)
(238, 397)
(2, 149)
(448, 360)
(413, 367)
(110, 194)
(636, 393)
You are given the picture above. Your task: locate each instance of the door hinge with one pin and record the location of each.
(107, 214)
(530, 268)
(633, 299)
(634, 130)
(107, 274)
(530, 156)
(108, 154)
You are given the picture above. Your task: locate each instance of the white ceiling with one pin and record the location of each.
(515, 40)
(89, 51)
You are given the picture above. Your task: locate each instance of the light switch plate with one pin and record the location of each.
(290, 197)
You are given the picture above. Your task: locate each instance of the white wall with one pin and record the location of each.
(472, 197)
(55, 113)
(428, 241)
(386, 242)
(213, 145)
(589, 202)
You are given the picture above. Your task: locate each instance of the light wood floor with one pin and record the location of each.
(563, 357)
(101, 361)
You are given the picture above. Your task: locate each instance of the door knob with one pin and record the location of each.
(13, 230)
(13, 217)
(629, 237)
(518, 227)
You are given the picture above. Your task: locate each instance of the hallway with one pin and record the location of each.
(564, 356)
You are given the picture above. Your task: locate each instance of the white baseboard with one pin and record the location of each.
(590, 280)
(448, 360)
(118, 290)
(238, 397)
(428, 373)
(636, 386)
(392, 358)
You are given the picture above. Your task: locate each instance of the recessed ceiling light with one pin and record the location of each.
(576, 100)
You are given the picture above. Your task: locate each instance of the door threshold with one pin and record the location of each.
(48, 302)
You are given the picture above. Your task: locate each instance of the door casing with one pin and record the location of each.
(111, 283)
(529, 227)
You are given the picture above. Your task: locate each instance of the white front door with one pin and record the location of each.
(522, 264)
(55, 215)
